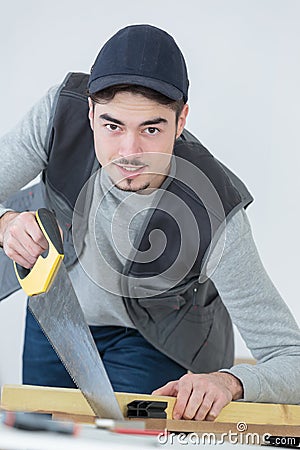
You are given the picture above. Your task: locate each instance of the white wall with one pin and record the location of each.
(244, 66)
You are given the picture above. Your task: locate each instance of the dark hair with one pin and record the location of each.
(106, 95)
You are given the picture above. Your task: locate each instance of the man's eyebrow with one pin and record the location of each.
(111, 119)
(154, 121)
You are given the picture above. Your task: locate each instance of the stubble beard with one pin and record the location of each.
(126, 186)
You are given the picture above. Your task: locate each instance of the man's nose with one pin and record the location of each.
(130, 145)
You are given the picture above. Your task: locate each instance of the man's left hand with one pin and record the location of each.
(202, 396)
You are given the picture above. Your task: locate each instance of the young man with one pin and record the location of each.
(160, 251)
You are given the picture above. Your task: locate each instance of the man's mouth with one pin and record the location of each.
(130, 171)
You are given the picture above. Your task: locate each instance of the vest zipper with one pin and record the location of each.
(195, 290)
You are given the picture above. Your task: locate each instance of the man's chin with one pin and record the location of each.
(129, 186)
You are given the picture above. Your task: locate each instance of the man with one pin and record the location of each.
(160, 249)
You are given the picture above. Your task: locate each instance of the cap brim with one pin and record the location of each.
(113, 80)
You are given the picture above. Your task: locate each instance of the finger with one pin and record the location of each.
(193, 404)
(32, 228)
(26, 231)
(24, 247)
(167, 389)
(21, 261)
(31, 249)
(30, 246)
(205, 406)
(14, 250)
(185, 388)
(216, 408)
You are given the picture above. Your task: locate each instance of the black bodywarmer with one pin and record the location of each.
(169, 298)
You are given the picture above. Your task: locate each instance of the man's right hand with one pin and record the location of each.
(21, 237)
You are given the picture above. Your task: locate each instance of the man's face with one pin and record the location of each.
(134, 139)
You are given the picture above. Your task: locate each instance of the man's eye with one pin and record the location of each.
(152, 130)
(111, 127)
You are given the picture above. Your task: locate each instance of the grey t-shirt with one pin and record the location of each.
(254, 304)
(115, 218)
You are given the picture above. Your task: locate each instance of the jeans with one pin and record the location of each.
(132, 363)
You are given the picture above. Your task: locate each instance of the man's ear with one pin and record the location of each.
(182, 120)
(91, 113)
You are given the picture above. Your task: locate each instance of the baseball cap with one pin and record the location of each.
(141, 55)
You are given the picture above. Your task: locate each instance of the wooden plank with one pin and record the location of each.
(260, 413)
(249, 434)
(63, 400)
(71, 401)
(77, 418)
(236, 430)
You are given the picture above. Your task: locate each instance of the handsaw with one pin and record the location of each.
(54, 304)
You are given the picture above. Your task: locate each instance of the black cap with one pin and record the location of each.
(142, 55)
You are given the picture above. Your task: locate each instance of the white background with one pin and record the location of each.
(244, 64)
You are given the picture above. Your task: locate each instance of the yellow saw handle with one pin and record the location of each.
(38, 279)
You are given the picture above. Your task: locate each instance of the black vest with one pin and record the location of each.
(179, 315)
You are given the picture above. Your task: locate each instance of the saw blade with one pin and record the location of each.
(60, 316)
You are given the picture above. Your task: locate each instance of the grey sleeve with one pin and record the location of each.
(262, 317)
(23, 151)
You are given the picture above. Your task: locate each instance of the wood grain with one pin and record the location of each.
(72, 402)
